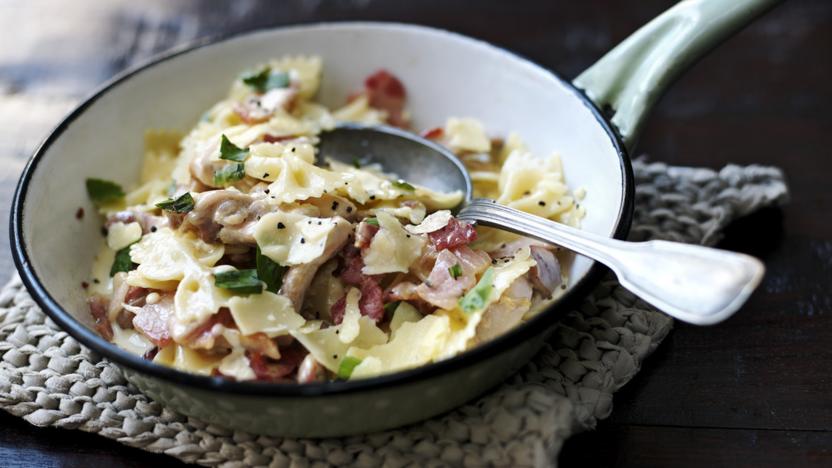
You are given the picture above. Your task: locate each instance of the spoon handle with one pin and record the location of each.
(696, 284)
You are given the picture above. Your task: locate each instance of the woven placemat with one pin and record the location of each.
(48, 379)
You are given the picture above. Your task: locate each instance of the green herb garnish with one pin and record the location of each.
(122, 261)
(390, 307)
(229, 174)
(347, 366)
(269, 272)
(371, 221)
(103, 191)
(182, 204)
(476, 298)
(265, 80)
(239, 281)
(455, 271)
(400, 184)
(356, 163)
(231, 152)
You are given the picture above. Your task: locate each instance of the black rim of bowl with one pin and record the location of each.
(535, 326)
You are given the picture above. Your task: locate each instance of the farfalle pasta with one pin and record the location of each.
(240, 254)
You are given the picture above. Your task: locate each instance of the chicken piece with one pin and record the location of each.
(298, 277)
(152, 320)
(311, 371)
(98, 309)
(328, 289)
(506, 313)
(545, 275)
(227, 216)
(147, 221)
(259, 108)
(510, 248)
(443, 290)
(120, 288)
(204, 165)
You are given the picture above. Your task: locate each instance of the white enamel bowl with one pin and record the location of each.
(445, 74)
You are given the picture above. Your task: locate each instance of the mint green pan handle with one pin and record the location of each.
(630, 78)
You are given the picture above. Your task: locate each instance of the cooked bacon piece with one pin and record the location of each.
(151, 353)
(443, 290)
(371, 303)
(455, 234)
(298, 277)
(152, 320)
(545, 275)
(207, 336)
(352, 264)
(136, 295)
(124, 294)
(147, 221)
(98, 309)
(433, 133)
(270, 370)
(227, 216)
(124, 319)
(364, 234)
(386, 92)
(261, 344)
(336, 312)
(269, 138)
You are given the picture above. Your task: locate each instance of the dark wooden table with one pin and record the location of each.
(753, 391)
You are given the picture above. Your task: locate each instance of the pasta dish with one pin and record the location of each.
(242, 253)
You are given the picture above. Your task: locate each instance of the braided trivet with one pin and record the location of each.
(47, 378)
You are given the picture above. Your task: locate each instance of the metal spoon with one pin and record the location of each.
(696, 284)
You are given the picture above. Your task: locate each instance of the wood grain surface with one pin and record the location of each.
(753, 391)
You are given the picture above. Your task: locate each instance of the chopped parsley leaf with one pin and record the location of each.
(265, 80)
(231, 152)
(239, 281)
(476, 298)
(103, 191)
(229, 174)
(122, 261)
(346, 367)
(269, 272)
(182, 204)
(455, 271)
(400, 184)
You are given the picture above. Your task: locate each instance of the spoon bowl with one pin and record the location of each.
(404, 154)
